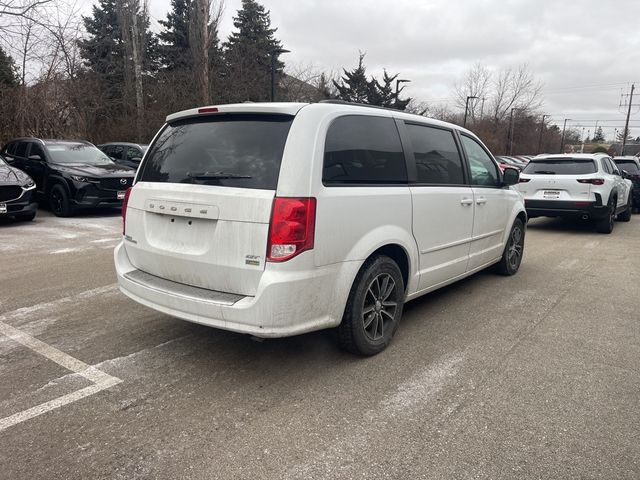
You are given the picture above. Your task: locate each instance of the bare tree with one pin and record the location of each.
(475, 83)
(515, 88)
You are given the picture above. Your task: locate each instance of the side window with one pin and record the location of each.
(363, 150)
(117, 152)
(21, 149)
(107, 149)
(437, 158)
(605, 165)
(132, 153)
(484, 171)
(36, 149)
(9, 149)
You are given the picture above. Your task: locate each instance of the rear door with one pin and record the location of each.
(442, 204)
(200, 210)
(492, 204)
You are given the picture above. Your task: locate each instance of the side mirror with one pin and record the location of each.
(510, 176)
(625, 174)
(37, 158)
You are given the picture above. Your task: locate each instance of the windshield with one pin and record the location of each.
(569, 166)
(629, 165)
(69, 152)
(231, 150)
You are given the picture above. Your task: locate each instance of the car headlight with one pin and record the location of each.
(78, 178)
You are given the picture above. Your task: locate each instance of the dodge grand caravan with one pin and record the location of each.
(282, 218)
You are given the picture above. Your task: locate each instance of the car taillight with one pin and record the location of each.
(292, 227)
(524, 180)
(125, 202)
(592, 181)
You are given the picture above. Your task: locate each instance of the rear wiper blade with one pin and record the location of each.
(545, 172)
(215, 175)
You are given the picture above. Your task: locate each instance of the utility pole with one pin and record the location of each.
(626, 125)
(510, 132)
(541, 130)
(563, 130)
(466, 109)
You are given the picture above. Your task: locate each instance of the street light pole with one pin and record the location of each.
(563, 130)
(541, 130)
(466, 109)
(398, 82)
(274, 57)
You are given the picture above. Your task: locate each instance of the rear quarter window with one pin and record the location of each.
(363, 150)
(560, 167)
(232, 150)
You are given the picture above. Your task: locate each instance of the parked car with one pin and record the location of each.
(70, 174)
(16, 193)
(281, 218)
(507, 162)
(630, 167)
(586, 186)
(128, 154)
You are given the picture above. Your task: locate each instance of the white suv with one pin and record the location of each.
(279, 219)
(586, 186)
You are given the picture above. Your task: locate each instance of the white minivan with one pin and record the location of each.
(276, 219)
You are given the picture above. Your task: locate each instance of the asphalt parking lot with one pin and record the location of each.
(534, 376)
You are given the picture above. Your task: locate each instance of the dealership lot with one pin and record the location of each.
(530, 376)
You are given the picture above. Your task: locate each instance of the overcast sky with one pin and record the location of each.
(586, 52)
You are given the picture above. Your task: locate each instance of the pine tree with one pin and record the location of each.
(354, 86)
(598, 136)
(175, 53)
(248, 54)
(8, 70)
(104, 50)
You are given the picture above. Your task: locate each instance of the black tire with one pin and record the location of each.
(626, 215)
(26, 217)
(513, 250)
(59, 201)
(374, 307)
(605, 225)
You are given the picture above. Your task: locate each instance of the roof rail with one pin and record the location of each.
(344, 102)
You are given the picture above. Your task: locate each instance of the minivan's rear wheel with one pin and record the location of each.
(513, 251)
(374, 307)
(59, 201)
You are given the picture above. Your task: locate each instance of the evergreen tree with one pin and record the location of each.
(8, 70)
(598, 136)
(175, 53)
(248, 54)
(354, 86)
(620, 135)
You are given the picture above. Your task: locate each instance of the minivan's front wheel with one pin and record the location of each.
(513, 252)
(374, 307)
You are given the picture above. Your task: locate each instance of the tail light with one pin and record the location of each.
(524, 180)
(592, 181)
(292, 227)
(125, 202)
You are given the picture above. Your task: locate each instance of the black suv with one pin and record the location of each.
(70, 174)
(128, 154)
(16, 189)
(630, 166)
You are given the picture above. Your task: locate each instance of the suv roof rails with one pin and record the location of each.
(344, 102)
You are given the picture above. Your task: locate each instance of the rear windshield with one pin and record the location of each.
(550, 166)
(229, 150)
(629, 165)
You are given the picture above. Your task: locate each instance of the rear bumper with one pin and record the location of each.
(287, 302)
(562, 208)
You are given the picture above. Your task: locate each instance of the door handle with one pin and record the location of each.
(466, 201)
(481, 200)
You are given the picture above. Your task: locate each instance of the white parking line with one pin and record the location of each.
(100, 379)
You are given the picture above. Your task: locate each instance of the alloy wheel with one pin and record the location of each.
(379, 306)
(515, 247)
